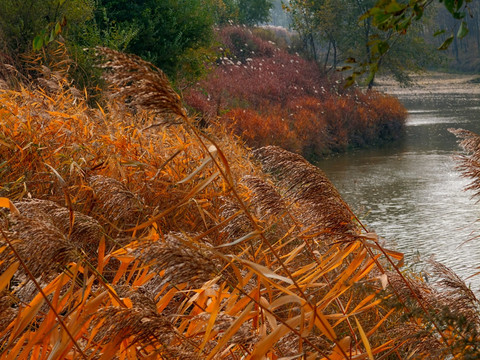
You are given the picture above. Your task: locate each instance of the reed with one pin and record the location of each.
(122, 240)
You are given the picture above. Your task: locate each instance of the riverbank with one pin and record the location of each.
(270, 96)
(410, 192)
(431, 83)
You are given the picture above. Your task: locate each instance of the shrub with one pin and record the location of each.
(254, 75)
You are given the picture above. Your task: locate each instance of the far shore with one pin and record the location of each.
(432, 83)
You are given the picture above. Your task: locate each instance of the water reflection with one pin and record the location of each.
(410, 192)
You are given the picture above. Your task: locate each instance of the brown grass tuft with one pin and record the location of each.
(320, 206)
(178, 262)
(140, 83)
(470, 162)
(116, 202)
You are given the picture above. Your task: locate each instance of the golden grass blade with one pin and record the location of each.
(342, 348)
(205, 162)
(6, 203)
(263, 271)
(365, 341)
(379, 323)
(7, 275)
(321, 322)
(49, 322)
(242, 318)
(213, 317)
(199, 187)
(268, 342)
(34, 306)
(252, 235)
(286, 299)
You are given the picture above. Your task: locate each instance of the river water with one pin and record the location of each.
(410, 193)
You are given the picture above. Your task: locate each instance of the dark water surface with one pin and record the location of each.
(410, 192)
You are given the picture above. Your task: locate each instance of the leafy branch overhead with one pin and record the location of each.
(395, 20)
(391, 15)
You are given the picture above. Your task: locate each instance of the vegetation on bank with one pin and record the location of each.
(271, 96)
(251, 79)
(129, 233)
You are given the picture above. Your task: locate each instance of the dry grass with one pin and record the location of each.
(165, 242)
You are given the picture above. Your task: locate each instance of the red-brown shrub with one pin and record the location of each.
(272, 97)
(267, 129)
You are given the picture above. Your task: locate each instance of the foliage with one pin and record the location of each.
(21, 24)
(254, 12)
(337, 33)
(396, 20)
(175, 35)
(271, 97)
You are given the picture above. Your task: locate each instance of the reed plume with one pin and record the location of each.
(238, 225)
(320, 206)
(470, 162)
(84, 232)
(265, 198)
(7, 309)
(141, 84)
(143, 325)
(117, 204)
(454, 294)
(43, 247)
(178, 262)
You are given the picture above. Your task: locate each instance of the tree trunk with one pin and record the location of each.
(327, 56)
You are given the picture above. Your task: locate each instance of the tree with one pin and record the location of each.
(337, 31)
(175, 35)
(396, 19)
(21, 23)
(254, 12)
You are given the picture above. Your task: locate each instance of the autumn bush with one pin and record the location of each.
(260, 77)
(128, 233)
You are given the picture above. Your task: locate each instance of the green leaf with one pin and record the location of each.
(372, 12)
(383, 47)
(394, 7)
(349, 81)
(381, 19)
(446, 43)
(52, 36)
(463, 30)
(450, 5)
(403, 25)
(58, 28)
(459, 4)
(418, 11)
(439, 32)
(37, 42)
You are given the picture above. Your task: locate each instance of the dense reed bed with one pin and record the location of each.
(128, 233)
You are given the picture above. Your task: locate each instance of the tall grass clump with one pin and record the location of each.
(128, 233)
(303, 110)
